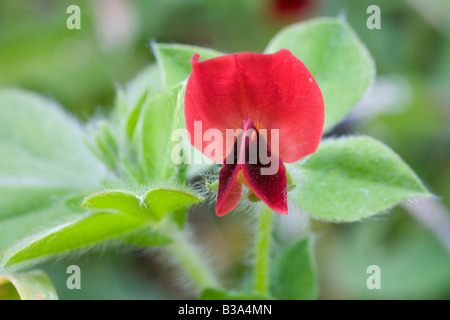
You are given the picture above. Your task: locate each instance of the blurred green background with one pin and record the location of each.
(408, 108)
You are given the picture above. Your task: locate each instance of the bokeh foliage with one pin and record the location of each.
(80, 69)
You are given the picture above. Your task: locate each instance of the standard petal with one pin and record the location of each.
(275, 90)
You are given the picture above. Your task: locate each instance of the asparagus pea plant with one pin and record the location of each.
(126, 178)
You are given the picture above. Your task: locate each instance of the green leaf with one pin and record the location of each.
(105, 146)
(18, 227)
(34, 285)
(121, 107)
(153, 205)
(161, 201)
(123, 202)
(293, 275)
(160, 116)
(352, 178)
(174, 60)
(338, 60)
(43, 156)
(147, 81)
(145, 85)
(111, 140)
(43, 162)
(81, 232)
(116, 214)
(133, 116)
(220, 294)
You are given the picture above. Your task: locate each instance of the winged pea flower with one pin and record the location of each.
(271, 111)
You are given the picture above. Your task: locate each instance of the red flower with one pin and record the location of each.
(291, 6)
(290, 11)
(254, 91)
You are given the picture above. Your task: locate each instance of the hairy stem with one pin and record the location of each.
(262, 251)
(191, 261)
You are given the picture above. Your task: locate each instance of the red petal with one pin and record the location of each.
(292, 6)
(270, 188)
(275, 90)
(230, 188)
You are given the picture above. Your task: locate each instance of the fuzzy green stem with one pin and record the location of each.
(262, 251)
(191, 261)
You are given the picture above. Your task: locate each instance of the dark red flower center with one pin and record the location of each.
(261, 169)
